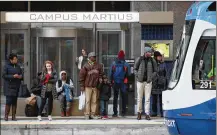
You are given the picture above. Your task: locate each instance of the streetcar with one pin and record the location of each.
(189, 103)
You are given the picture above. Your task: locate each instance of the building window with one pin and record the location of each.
(204, 66)
(62, 6)
(14, 6)
(112, 6)
(157, 32)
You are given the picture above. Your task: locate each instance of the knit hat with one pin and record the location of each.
(157, 53)
(92, 54)
(121, 54)
(147, 49)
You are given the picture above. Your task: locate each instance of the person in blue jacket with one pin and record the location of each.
(119, 72)
(12, 75)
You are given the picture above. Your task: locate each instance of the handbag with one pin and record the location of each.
(31, 100)
(81, 101)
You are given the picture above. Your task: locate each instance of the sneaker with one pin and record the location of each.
(123, 115)
(147, 117)
(39, 118)
(49, 118)
(96, 117)
(105, 117)
(87, 117)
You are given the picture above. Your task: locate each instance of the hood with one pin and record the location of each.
(61, 74)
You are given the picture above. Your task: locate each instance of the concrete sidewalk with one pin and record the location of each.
(79, 126)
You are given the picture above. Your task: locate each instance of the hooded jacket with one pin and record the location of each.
(60, 83)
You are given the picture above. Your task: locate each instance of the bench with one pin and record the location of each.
(21, 104)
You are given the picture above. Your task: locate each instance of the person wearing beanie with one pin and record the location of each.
(159, 83)
(145, 69)
(91, 74)
(119, 72)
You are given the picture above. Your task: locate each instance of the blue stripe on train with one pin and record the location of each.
(202, 121)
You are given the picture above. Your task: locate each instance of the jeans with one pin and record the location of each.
(64, 105)
(155, 104)
(49, 96)
(122, 88)
(39, 100)
(103, 107)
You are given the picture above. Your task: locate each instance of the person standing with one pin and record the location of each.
(145, 69)
(61, 85)
(80, 61)
(105, 94)
(12, 75)
(119, 72)
(159, 83)
(49, 78)
(90, 77)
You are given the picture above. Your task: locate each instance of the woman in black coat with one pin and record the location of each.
(12, 76)
(159, 84)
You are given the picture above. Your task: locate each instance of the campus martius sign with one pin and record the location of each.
(72, 17)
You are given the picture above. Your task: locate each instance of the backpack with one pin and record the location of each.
(119, 71)
(31, 110)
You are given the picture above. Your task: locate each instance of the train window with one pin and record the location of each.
(181, 54)
(204, 66)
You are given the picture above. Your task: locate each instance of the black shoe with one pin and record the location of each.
(139, 117)
(154, 115)
(90, 117)
(114, 115)
(147, 117)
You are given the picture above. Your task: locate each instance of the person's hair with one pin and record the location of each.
(11, 56)
(44, 67)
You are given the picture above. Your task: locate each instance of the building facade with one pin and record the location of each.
(62, 42)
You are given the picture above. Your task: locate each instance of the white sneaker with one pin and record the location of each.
(39, 118)
(49, 118)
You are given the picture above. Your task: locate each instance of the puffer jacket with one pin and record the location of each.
(11, 84)
(140, 69)
(160, 82)
(90, 75)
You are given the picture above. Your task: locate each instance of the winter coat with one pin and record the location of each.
(90, 75)
(160, 82)
(52, 81)
(36, 87)
(105, 91)
(143, 72)
(11, 84)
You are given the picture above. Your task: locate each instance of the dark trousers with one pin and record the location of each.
(123, 90)
(155, 104)
(103, 107)
(49, 96)
(11, 100)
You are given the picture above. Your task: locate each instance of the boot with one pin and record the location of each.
(7, 111)
(62, 114)
(67, 112)
(14, 109)
(139, 116)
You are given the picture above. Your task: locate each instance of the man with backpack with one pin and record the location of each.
(119, 72)
(145, 70)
